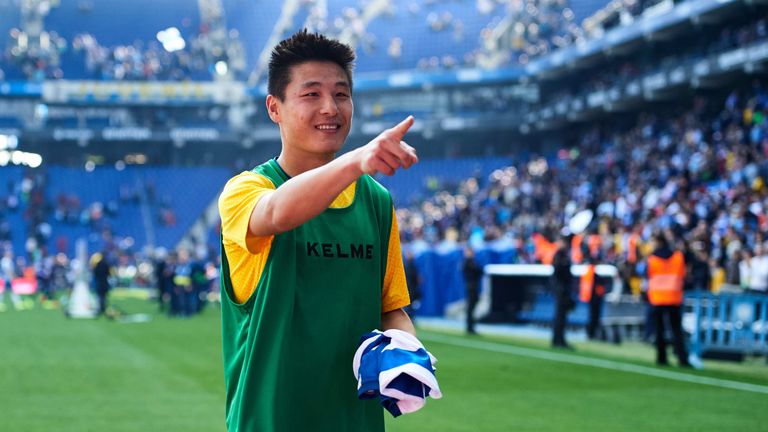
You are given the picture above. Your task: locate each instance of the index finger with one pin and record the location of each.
(402, 127)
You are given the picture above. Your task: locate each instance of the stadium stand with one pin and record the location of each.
(106, 52)
(133, 203)
(113, 50)
(13, 206)
(699, 174)
(649, 113)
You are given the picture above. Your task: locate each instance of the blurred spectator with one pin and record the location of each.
(163, 278)
(413, 281)
(562, 284)
(102, 270)
(592, 292)
(758, 270)
(699, 271)
(472, 273)
(745, 260)
(183, 292)
(666, 271)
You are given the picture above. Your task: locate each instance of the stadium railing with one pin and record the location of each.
(731, 324)
(521, 293)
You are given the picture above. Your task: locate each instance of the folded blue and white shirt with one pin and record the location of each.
(395, 366)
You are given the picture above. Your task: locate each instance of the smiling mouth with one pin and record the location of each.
(328, 127)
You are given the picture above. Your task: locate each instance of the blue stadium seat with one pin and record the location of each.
(121, 23)
(10, 18)
(412, 28)
(585, 8)
(187, 191)
(242, 14)
(11, 175)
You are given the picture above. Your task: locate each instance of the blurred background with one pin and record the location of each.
(121, 121)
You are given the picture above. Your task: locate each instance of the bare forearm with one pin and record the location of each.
(307, 195)
(397, 319)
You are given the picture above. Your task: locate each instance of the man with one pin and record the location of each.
(472, 273)
(163, 282)
(413, 281)
(101, 272)
(592, 292)
(182, 303)
(700, 272)
(562, 282)
(666, 274)
(758, 271)
(311, 254)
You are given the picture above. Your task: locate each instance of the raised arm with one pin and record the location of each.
(308, 194)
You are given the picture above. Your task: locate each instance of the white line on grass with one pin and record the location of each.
(587, 361)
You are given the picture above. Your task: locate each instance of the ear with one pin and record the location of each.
(273, 108)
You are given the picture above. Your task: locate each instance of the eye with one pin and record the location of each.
(311, 94)
(342, 95)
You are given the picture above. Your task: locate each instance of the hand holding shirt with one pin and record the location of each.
(395, 366)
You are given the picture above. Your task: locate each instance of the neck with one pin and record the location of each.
(295, 163)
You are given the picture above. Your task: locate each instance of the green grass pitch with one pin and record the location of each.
(58, 374)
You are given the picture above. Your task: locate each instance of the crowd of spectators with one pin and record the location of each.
(536, 28)
(517, 32)
(47, 258)
(699, 175)
(181, 283)
(25, 196)
(35, 64)
(139, 61)
(619, 74)
(532, 28)
(55, 57)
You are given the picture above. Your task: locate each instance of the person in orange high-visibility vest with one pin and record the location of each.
(577, 256)
(633, 244)
(592, 291)
(666, 272)
(544, 249)
(594, 244)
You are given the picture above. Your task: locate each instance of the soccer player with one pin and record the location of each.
(311, 254)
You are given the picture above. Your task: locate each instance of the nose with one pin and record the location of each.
(329, 106)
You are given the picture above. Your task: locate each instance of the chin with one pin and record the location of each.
(331, 146)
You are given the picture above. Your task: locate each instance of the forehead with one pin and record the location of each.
(317, 73)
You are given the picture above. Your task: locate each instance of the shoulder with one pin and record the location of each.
(240, 191)
(246, 180)
(374, 186)
(377, 195)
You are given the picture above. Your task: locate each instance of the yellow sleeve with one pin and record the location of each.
(394, 295)
(247, 254)
(236, 203)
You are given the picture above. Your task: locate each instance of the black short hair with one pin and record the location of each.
(301, 48)
(661, 240)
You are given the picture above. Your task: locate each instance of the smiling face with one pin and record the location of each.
(315, 114)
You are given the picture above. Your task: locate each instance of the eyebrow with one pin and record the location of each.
(317, 83)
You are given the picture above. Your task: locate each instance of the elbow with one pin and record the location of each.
(281, 226)
(281, 221)
(268, 219)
